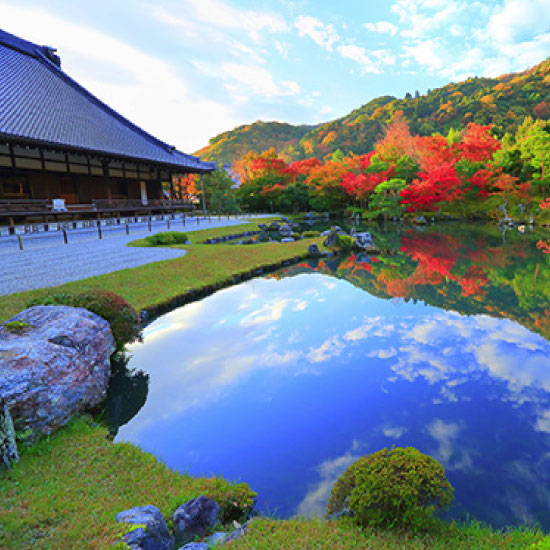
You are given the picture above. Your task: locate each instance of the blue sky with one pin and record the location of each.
(186, 70)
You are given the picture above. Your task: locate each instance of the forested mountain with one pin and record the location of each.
(259, 136)
(502, 102)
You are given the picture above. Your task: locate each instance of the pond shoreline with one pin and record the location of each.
(149, 314)
(25, 521)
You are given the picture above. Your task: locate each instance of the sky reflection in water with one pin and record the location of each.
(284, 383)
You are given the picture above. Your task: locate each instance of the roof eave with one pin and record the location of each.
(194, 166)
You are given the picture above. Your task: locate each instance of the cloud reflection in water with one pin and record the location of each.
(283, 383)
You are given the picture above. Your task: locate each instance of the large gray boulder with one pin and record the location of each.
(153, 536)
(195, 518)
(55, 363)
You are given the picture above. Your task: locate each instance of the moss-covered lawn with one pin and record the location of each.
(156, 283)
(66, 490)
(319, 534)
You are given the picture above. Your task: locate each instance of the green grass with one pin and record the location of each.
(157, 283)
(66, 490)
(319, 534)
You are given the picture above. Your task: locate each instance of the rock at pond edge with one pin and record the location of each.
(155, 534)
(56, 367)
(195, 517)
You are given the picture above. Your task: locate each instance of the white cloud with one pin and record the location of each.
(359, 55)
(220, 14)
(384, 353)
(282, 48)
(326, 110)
(395, 432)
(92, 58)
(257, 80)
(384, 56)
(425, 53)
(301, 305)
(382, 27)
(543, 422)
(516, 21)
(328, 349)
(322, 34)
(363, 331)
(269, 312)
(445, 433)
(315, 502)
(461, 39)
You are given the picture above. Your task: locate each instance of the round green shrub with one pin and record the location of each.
(122, 317)
(400, 487)
(166, 238)
(344, 242)
(310, 234)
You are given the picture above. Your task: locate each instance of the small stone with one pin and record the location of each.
(195, 546)
(195, 517)
(155, 534)
(287, 240)
(313, 250)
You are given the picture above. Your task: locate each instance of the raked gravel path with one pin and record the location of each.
(46, 261)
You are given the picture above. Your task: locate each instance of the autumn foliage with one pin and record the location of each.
(457, 173)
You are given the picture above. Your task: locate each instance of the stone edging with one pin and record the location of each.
(149, 314)
(232, 237)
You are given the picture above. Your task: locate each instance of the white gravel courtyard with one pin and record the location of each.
(46, 261)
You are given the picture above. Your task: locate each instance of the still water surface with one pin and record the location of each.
(441, 343)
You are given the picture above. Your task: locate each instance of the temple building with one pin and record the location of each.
(62, 150)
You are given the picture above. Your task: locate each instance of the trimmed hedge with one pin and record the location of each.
(401, 487)
(122, 317)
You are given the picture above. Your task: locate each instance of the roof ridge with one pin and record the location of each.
(19, 44)
(40, 53)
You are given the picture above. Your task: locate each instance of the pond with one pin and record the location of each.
(441, 342)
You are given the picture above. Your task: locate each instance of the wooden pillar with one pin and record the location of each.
(172, 196)
(202, 193)
(107, 181)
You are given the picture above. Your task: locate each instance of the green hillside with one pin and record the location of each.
(259, 136)
(502, 101)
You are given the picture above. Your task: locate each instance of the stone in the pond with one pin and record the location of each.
(155, 534)
(285, 230)
(195, 517)
(313, 250)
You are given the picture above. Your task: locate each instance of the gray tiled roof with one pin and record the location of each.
(39, 102)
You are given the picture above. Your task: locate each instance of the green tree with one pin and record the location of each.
(535, 152)
(385, 199)
(294, 198)
(219, 195)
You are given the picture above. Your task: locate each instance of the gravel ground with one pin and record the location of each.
(46, 261)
